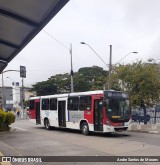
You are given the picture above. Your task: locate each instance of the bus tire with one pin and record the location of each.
(85, 128)
(47, 124)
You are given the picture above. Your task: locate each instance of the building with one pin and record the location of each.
(13, 96)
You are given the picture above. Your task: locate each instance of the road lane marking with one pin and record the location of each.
(19, 128)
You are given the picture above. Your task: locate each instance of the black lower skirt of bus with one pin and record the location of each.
(121, 129)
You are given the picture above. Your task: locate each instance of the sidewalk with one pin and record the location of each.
(147, 128)
(4, 163)
(1, 155)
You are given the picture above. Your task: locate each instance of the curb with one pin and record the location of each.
(141, 131)
(154, 132)
(148, 128)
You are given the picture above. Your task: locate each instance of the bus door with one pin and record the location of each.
(98, 115)
(61, 113)
(38, 119)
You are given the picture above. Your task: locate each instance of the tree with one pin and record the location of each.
(90, 78)
(45, 88)
(87, 78)
(140, 80)
(61, 82)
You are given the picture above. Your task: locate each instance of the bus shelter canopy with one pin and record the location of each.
(21, 21)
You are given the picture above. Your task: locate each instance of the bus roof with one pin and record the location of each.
(68, 94)
(87, 93)
(72, 94)
(34, 98)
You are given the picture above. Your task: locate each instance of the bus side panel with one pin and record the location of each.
(51, 115)
(89, 114)
(74, 118)
(53, 118)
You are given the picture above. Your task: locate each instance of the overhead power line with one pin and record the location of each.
(56, 40)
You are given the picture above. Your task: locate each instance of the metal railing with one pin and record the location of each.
(153, 116)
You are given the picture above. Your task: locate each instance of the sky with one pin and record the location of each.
(127, 25)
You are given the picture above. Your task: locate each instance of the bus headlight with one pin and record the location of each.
(108, 123)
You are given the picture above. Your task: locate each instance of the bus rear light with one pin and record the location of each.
(108, 123)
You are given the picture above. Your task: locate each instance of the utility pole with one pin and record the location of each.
(110, 66)
(22, 75)
(22, 101)
(71, 69)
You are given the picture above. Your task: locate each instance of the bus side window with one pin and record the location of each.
(73, 103)
(53, 104)
(85, 103)
(45, 104)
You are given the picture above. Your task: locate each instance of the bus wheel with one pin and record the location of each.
(47, 125)
(85, 129)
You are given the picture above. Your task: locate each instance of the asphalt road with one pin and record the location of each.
(27, 139)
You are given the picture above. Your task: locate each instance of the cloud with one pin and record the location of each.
(127, 25)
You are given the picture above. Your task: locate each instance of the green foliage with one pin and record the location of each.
(6, 118)
(81, 84)
(2, 116)
(44, 88)
(10, 118)
(62, 82)
(90, 78)
(87, 78)
(140, 80)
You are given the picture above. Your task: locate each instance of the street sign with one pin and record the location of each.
(23, 71)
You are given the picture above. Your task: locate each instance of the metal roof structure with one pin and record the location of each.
(21, 21)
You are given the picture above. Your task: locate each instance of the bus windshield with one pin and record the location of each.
(118, 109)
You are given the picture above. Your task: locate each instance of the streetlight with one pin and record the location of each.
(110, 59)
(94, 52)
(153, 60)
(125, 57)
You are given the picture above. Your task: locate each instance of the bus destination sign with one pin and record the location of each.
(116, 94)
